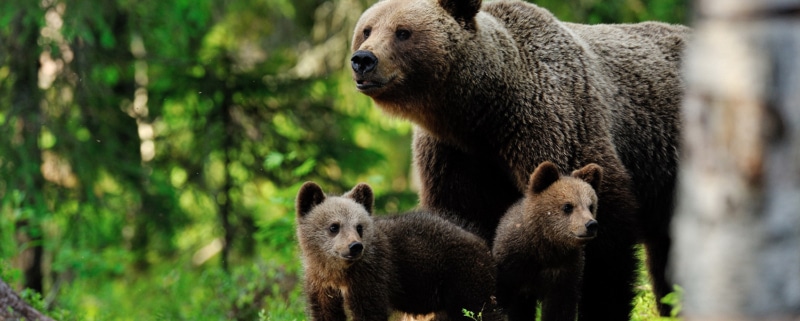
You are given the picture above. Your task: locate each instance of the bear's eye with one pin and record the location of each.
(367, 31)
(567, 208)
(360, 230)
(591, 208)
(402, 34)
(334, 228)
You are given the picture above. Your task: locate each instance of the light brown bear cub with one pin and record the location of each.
(539, 243)
(364, 267)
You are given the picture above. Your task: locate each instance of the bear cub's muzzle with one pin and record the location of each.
(591, 230)
(354, 251)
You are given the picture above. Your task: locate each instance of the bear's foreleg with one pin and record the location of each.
(471, 186)
(515, 290)
(657, 255)
(609, 272)
(475, 297)
(608, 278)
(561, 302)
(369, 301)
(325, 304)
(520, 308)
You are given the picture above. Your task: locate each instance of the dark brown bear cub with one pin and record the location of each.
(539, 243)
(365, 267)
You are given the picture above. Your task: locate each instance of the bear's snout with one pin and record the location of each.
(363, 61)
(355, 250)
(591, 228)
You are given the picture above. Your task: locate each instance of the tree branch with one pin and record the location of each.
(12, 307)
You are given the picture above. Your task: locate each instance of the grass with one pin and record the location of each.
(644, 302)
(264, 288)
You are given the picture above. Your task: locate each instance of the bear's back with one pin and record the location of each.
(613, 56)
(420, 232)
(433, 255)
(639, 66)
(632, 75)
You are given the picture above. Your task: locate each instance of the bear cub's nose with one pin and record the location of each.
(591, 228)
(356, 248)
(363, 61)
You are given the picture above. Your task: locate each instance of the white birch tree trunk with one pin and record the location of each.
(737, 220)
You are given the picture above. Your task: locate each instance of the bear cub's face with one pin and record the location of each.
(571, 199)
(336, 228)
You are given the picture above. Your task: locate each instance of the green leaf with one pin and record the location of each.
(305, 168)
(273, 160)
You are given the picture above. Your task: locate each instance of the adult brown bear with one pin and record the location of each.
(494, 91)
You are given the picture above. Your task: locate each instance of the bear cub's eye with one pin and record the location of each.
(591, 208)
(402, 34)
(360, 230)
(567, 208)
(367, 31)
(334, 228)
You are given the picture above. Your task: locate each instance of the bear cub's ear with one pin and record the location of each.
(310, 195)
(592, 174)
(545, 175)
(362, 194)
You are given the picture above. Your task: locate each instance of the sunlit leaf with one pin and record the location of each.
(273, 160)
(305, 168)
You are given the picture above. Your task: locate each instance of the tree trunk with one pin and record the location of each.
(12, 307)
(24, 51)
(737, 221)
(226, 207)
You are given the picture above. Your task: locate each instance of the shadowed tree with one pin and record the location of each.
(737, 227)
(24, 155)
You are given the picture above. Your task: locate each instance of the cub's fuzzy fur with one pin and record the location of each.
(539, 243)
(365, 267)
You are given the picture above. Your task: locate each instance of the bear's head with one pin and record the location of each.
(567, 205)
(403, 49)
(334, 229)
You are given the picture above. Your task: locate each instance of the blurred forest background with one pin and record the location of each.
(150, 151)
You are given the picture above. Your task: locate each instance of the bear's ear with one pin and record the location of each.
(362, 194)
(310, 195)
(592, 174)
(463, 11)
(545, 175)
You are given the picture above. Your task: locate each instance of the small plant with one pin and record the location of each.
(472, 315)
(674, 299)
(34, 299)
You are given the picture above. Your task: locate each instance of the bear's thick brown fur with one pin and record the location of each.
(498, 89)
(364, 267)
(539, 244)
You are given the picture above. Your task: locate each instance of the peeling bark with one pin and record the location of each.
(737, 221)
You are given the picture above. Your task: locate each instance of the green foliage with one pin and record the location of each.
(33, 298)
(472, 315)
(153, 149)
(674, 298)
(618, 11)
(645, 302)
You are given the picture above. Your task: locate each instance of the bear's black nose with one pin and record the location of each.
(363, 61)
(591, 228)
(356, 248)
